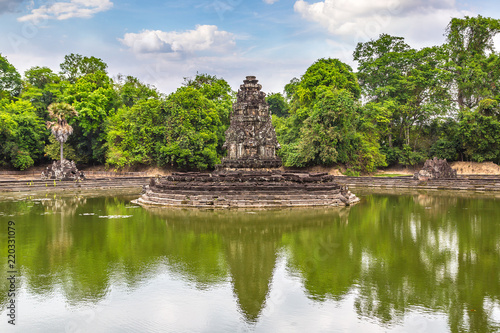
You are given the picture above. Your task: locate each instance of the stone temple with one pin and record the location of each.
(250, 139)
(250, 176)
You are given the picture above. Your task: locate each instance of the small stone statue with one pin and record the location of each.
(435, 169)
(63, 170)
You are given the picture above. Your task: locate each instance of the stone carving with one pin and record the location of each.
(435, 169)
(250, 139)
(63, 171)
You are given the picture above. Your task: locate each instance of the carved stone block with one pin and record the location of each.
(435, 169)
(250, 139)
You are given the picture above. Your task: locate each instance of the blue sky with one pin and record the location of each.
(160, 42)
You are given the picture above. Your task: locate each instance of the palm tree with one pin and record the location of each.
(60, 127)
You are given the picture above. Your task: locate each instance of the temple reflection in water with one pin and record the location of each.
(392, 254)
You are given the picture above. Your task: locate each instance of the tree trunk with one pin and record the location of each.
(61, 151)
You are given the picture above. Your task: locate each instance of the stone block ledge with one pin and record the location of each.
(246, 190)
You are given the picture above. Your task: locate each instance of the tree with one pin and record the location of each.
(40, 77)
(406, 87)
(136, 134)
(331, 73)
(52, 151)
(215, 89)
(381, 63)
(291, 88)
(60, 127)
(219, 92)
(480, 132)
(277, 105)
(96, 101)
(326, 124)
(21, 134)
(448, 142)
(131, 90)
(472, 59)
(191, 130)
(334, 132)
(185, 130)
(42, 87)
(76, 66)
(328, 73)
(10, 79)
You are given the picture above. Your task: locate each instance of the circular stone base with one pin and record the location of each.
(249, 163)
(246, 190)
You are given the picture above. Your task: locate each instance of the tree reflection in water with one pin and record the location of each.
(397, 253)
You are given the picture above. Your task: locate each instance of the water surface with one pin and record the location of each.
(393, 263)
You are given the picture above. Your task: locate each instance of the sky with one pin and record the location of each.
(162, 42)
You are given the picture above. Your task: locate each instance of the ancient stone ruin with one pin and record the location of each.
(62, 170)
(249, 176)
(246, 189)
(250, 139)
(435, 169)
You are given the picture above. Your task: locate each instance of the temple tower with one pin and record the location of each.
(250, 139)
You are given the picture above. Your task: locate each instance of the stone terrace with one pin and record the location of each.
(247, 189)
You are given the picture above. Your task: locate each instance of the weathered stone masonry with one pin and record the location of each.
(250, 139)
(247, 189)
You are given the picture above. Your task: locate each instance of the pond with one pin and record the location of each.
(393, 263)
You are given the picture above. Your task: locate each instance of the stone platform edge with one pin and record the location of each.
(246, 189)
(464, 183)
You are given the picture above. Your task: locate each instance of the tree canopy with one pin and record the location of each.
(10, 79)
(76, 66)
(406, 88)
(22, 134)
(473, 61)
(326, 123)
(401, 106)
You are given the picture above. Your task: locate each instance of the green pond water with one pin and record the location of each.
(412, 262)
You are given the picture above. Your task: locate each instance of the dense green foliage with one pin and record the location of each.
(10, 80)
(136, 134)
(407, 88)
(21, 134)
(472, 59)
(95, 100)
(480, 132)
(185, 129)
(327, 124)
(278, 105)
(402, 106)
(191, 130)
(76, 66)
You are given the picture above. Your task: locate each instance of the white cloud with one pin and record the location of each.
(366, 19)
(67, 10)
(203, 38)
(168, 72)
(270, 2)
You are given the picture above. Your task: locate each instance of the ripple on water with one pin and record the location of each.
(115, 216)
